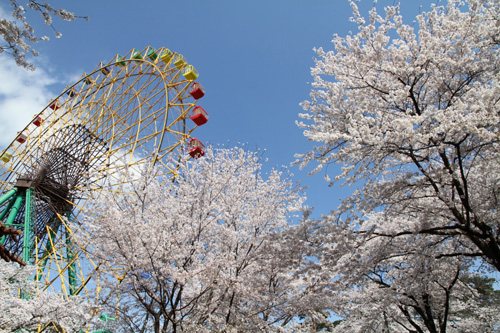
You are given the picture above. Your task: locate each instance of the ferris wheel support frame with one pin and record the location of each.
(22, 194)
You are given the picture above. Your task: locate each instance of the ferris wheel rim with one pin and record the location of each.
(99, 85)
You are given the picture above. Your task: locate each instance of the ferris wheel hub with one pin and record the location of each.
(24, 182)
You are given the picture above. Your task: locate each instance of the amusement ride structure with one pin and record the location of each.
(131, 111)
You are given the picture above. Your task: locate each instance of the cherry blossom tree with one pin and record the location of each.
(201, 252)
(49, 311)
(399, 284)
(18, 34)
(412, 115)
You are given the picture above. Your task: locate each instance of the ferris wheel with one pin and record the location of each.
(132, 111)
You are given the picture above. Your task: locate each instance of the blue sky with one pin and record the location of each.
(254, 59)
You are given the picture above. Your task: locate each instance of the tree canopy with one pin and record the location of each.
(36, 308)
(411, 113)
(201, 252)
(18, 33)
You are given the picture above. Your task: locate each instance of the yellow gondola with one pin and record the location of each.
(179, 61)
(6, 157)
(166, 56)
(190, 73)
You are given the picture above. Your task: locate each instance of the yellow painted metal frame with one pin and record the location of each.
(138, 107)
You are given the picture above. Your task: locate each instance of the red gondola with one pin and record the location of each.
(197, 91)
(38, 121)
(196, 148)
(55, 105)
(199, 116)
(21, 138)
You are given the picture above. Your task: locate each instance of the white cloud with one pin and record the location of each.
(22, 95)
